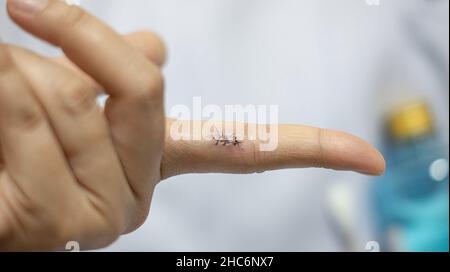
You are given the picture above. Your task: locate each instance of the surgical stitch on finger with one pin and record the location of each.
(220, 138)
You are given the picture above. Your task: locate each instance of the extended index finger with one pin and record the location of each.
(297, 147)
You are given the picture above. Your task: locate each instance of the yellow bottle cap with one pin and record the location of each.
(411, 120)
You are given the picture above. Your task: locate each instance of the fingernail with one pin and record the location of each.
(28, 7)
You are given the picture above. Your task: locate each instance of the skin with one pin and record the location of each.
(70, 170)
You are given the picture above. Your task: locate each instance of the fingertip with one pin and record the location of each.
(379, 164)
(372, 162)
(348, 152)
(375, 167)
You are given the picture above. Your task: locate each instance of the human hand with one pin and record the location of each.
(62, 177)
(73, 172)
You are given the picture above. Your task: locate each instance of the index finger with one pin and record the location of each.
(298, 147)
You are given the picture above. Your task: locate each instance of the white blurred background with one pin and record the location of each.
(321, 61)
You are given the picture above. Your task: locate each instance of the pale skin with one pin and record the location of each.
(70, 170)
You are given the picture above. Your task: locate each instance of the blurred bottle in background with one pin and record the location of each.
(412, 199)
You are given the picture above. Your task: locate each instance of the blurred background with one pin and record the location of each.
(376, 68)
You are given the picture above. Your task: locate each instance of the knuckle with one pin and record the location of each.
(320, 148)
(27, 117)
(77, 99)
(25, 113)
(318, 157)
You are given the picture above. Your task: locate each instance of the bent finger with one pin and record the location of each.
(80, 127)
(135, 108)
(30, 149)
(149, 43)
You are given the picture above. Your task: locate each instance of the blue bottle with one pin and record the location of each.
(412, 199)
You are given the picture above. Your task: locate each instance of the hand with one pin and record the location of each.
(63, 178)
(73, 172)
